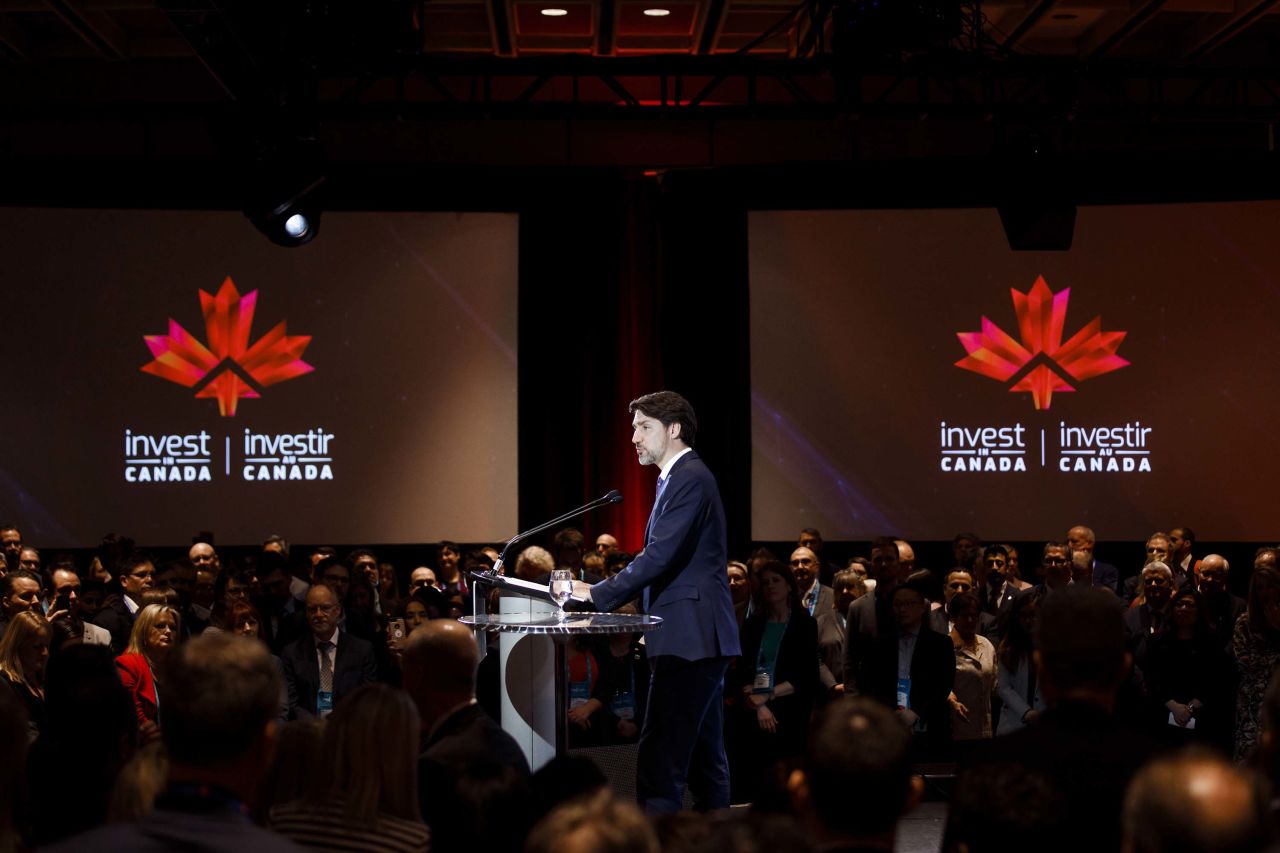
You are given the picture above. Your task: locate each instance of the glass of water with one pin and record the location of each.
(561, 589)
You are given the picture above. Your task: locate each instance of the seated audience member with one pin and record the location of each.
(1016, 680)
(1003, 807)
(218, 726)
(739, 589)
(1195, 802)
(463, 750)
(91, 732)
(1082, 657)
(326, 664)
(365, 793)
(422, 605)
(1221, 608)
(568, 546)
(815, 596)
(19, 593)
(1188, 677)
(623, 688)
(585, 706)
(846, 587)
(24, 653)
(294, 766)
(1082, 541)
(1256, 645)
(975, 682)
(231, 588)
(774, 684)
(243, 620)
(606, 543)
(361, 611)
(855, 783)
(912, 669)
(593, 563)
(600, 824)
(281, 613)
(137, 575)
(155, 633)
(1146, 617)
(534, 564)
(63, 608)
(364, 563)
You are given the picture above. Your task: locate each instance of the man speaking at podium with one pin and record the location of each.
(682, 573)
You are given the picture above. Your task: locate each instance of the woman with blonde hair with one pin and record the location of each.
(24, 651)
(367, 790)
(154, 635)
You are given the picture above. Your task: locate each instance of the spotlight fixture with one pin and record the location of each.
(555, 13)
(283, 186)
(289, 218)
(657, 13)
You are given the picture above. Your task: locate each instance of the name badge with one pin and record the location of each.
(324, 701)
(579, 693)
(623, 705)
(904, 692)
(763, 682)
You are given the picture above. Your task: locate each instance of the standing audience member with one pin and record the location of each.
(975, 682)
(846, 587)
(1016, 679)
(326, 664)
(63, 607)
(870, 614)
(1102, 575)
(19, 593)
(1195, 802)
(856, 781)
(1256, 645)
(24, 652)
(776, 681)
(815, 596)
(1146, 618)
(1082, 661)
(1221, 608)
(739, 589)
(1188, 677)
(218, 723)
(141, 666)
(365, 791)
(467, 761)
(137, 575)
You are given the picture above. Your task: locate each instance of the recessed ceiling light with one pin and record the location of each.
(555, 13)
(657, 13)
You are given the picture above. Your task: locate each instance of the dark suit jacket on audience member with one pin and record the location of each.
(1106, 576)
(466, 742)
(797, 663)
(831, 639)
(116, 618)
(933, 675)
(354, 665)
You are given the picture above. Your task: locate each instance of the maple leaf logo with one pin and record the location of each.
(228, 367)
(1040, 363)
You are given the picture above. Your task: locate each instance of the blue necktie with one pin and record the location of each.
(662, 484)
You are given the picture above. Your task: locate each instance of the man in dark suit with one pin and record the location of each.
(326, 664)
(1221, 607)
(1104, 575)
(682, 575)
(1078, 742)
(869, 613)
(137, 575)
(460, 743)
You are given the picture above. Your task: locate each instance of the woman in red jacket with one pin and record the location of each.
(155, 632)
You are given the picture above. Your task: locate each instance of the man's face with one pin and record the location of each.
(202, 591)
(66, 588)
(1057, 567)
(884, 564)
(421, 577)
(810, 541)
(1158, 549)
(957, 582)
(606, 543)
(182, 578)
(449, 561)
(91, 603)
(844, 595)
(29, 560)
(1157, 587)
(337, 578)
(323, 611)
(139, 579)
(908, 608)
(11, 542)
(1179, 545)
(25, 596)
(202, 555)
(804, 565)
(1213, 575)
(964, 549)
(1078, 539)
(996, 567)
(367, 565)
(906, 556)
(276, 586)
(651, 439)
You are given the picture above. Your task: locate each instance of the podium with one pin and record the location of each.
(533, 660)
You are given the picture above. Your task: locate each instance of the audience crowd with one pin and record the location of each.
(264, 699)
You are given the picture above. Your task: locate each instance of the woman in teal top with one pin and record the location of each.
(774, 683)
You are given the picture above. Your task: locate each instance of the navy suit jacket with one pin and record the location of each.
(354, 665)
(1106, 576)
(682, 570)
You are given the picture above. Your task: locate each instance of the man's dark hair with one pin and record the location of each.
(570, 537)
(962, 602)
(1053, 544)
(324, 565)
(1081, 638)
(858, 754)
(811, 531)
(1187, 533)
(9, 581)
(131, 562)
(668, 408)
(1004, 806)
(995, 551)
(972, 537)
(220, 692)
(269, 562)
(884, 543)
(620, 559)
(356, 554)
(13, 527)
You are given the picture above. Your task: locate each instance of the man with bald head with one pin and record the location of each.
(459, 740)
(1222, 609)
(325, 664)
(1082, 541)
(1195, 801)
(814, 594)
(605, 543)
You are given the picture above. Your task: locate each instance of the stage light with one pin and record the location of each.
(657, 13)
(555, 13)
(297, 226)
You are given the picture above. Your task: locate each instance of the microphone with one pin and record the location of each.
(612, 497)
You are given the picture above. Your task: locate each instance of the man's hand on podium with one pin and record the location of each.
(582, 590)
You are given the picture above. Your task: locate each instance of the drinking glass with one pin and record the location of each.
(561, 590)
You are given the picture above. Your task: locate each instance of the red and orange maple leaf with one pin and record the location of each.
(1041, 314)
(179, 357)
